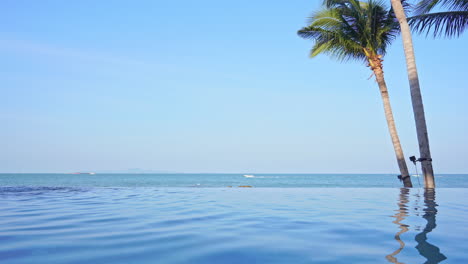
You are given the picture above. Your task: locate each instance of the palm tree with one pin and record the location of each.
(351, 29)
(450, 23)
(416, 97)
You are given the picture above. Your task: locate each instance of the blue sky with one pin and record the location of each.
(209, 86)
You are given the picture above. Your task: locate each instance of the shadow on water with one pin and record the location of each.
(425, 249)
(400, 215)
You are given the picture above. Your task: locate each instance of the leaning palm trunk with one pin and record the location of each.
(416, 98)
(375, 63)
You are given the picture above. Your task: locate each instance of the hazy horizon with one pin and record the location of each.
(208, 172)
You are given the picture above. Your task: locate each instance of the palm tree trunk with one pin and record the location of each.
(379, 76)
(416, 98)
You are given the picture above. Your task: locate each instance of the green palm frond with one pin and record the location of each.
(345, 28)
(331, 42)
(425, 6)
(450, 23)
(339, 3)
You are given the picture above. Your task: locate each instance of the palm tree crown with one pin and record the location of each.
(350, 29)
(449, 23)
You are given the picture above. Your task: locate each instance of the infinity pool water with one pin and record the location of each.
(232, 225)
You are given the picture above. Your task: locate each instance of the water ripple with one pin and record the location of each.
(211, 225)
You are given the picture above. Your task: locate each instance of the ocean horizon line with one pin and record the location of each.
(233, 173)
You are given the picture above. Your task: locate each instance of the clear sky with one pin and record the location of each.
(209, 86)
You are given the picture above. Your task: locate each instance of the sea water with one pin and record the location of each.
(225, 180)
(47, 219)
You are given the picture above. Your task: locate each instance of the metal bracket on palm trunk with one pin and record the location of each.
(414, 160)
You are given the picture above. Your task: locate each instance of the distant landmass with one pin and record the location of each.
(134, 171)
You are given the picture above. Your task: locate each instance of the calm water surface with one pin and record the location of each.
(85, 224)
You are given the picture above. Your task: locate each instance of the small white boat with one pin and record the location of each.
(249, 176)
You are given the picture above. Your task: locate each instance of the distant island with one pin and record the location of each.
(134, 171)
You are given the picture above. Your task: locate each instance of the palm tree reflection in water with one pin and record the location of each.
(401, 214)
(425, 249)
